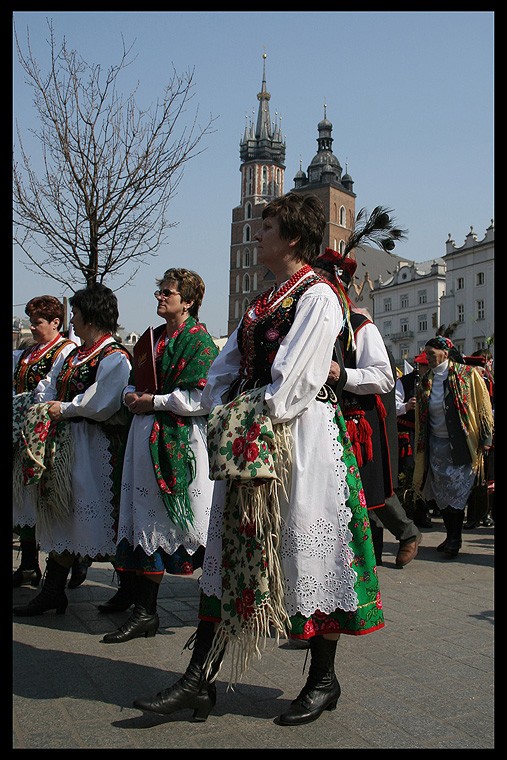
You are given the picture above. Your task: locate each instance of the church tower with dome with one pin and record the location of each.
(262, 154)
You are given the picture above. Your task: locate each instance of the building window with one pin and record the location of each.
(341, 247)
(422, 323)
(404, 302)
(246, 233)
(248, 211)
(249, 189)
(255, 257)
(387, 304)
(480, 309)
(460, 283)
(343, 217)
(236, 310)
(246, 304)
(422, 296)
(246, 257)
(237, 283)
(387, 329)
(264, 181)
(255, 286)
(246, 283)
(404, 325)
(404, 353)
(479, 280)
(460, 312)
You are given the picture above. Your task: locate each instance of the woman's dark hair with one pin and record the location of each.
(189, 284)
(300, 216)
(45, 307)
(98, 305)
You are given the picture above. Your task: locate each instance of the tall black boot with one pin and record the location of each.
(28, 570)
(193, 691)
(421, 515)
(447, 518)
(321, 691)
(78, 572)
(124, 597)
(453, 543)
(52, 595)
(144, 620)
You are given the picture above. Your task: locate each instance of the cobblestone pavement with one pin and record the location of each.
(426, 681)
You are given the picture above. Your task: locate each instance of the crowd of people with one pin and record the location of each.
(272, 465)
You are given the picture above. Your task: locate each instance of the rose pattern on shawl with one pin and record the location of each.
(241, 439)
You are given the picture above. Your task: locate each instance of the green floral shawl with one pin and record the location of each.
(185, 364)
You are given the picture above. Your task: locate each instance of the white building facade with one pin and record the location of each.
(455, 291)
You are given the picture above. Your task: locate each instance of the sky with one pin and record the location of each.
(409, 95)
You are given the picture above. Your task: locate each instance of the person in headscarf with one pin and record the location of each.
(454, 428)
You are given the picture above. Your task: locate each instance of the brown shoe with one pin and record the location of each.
(407, 551)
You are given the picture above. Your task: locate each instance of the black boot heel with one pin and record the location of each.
(138, 625)
(194, 691)
(191, 692)
(22, 576)
(124, 597)
(321, 690)
(52, 595)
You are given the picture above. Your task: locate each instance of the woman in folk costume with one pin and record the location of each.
(31, 365)
(73, 436)
(166, 491)
(292, 554)
(454, 429)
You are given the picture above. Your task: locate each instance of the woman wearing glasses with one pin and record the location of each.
(165, 489)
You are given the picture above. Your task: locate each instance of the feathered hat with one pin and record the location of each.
(376, 229)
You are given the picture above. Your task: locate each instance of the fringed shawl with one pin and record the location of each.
(252, 579)
(185, 365)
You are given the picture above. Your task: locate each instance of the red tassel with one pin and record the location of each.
(351, 430)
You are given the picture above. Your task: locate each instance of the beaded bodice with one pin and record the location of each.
(78, 374)
(266, 323)
(35, 363)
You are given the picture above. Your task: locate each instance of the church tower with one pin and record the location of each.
(324, 179)
(262, 154)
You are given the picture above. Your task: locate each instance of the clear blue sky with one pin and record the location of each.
(409, 94)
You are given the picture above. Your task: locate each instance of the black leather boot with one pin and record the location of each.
(453, 543)
(421, 515)
(144, 620)
(124, 597)
(78, 572)
(321, 691)
(28, 570)
(52, 595)
(447, 518)
(193, 691)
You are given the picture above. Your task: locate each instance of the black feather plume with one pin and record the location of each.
(377, 229)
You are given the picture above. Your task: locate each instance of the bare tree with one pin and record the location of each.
(109, 170)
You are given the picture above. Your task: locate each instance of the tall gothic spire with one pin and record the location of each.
(266, 142)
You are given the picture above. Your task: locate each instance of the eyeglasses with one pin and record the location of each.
(165, 293)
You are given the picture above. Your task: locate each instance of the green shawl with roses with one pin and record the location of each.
(185, 364)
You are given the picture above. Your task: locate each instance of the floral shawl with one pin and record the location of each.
(185, 363)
